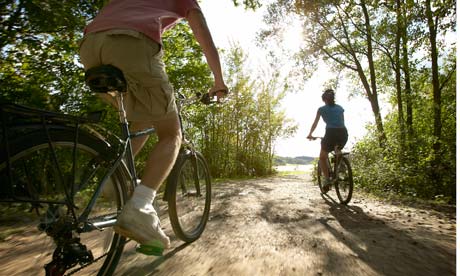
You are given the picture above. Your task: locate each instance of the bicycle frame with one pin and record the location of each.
(336, 158)
(52, 120)
(128, 153)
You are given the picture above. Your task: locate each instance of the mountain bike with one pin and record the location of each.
(64, 179)
(338, 165)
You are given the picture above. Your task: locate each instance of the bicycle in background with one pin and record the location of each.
(64, 179)
(340, 172)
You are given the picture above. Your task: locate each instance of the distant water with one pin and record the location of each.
(293, 167)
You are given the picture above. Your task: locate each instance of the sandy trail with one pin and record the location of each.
(283, 226)
(278, 226)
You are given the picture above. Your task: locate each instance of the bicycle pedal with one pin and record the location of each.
(154, 248)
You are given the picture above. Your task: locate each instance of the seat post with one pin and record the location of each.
(121, 108)
(122, 115)
(126, 134)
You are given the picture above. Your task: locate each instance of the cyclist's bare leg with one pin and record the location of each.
(138, 220)
(338, 151)
(323, 162)
(138, 143)
(161, 159)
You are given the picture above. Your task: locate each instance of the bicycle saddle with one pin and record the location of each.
(105, 78)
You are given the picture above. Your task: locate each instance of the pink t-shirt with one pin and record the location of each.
(150, 17)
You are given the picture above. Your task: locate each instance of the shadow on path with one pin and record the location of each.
(150, 268)
(387, 250)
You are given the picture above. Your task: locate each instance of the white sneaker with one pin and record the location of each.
(141, 225)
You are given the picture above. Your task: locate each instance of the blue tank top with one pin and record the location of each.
(332, 115)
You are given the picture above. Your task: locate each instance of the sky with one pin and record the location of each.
(229, 24)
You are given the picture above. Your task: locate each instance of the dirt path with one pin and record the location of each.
(283, 226)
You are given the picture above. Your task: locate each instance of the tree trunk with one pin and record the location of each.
(372, 90)
(407, 81)
(399, 30)
(437, 123)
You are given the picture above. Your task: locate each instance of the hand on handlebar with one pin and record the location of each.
(218, 91)
(310, 137)
(212, 97)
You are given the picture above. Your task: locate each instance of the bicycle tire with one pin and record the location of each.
(188, 207)
(26, 153)
(344, 183)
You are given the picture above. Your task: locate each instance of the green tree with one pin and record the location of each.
(341, 33)
(39, 42)
(240, 133)
(436, 12)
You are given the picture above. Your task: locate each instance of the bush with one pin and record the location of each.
(389, 171)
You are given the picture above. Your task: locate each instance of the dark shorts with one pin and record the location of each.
(333, 137)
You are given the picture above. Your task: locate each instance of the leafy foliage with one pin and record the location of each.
(39, 67)
(409, 171)
(250, 4)
(238, 135)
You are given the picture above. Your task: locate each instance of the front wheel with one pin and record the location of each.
(344, 183)
(189, 196)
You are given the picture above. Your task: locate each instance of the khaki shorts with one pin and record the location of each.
(150, 96)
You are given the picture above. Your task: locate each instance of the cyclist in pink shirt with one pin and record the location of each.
(127, 34)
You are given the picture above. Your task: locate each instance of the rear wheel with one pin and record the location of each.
(50, 190)
(189, 196)
(344, 183)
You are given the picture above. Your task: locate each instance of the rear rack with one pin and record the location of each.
(17, 112)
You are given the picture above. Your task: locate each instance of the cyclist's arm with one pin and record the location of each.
(315, 123)
(202, 34)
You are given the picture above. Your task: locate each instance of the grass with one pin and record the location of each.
(283, 173)
(294, 169)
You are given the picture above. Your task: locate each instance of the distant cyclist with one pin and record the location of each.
(336, 132)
